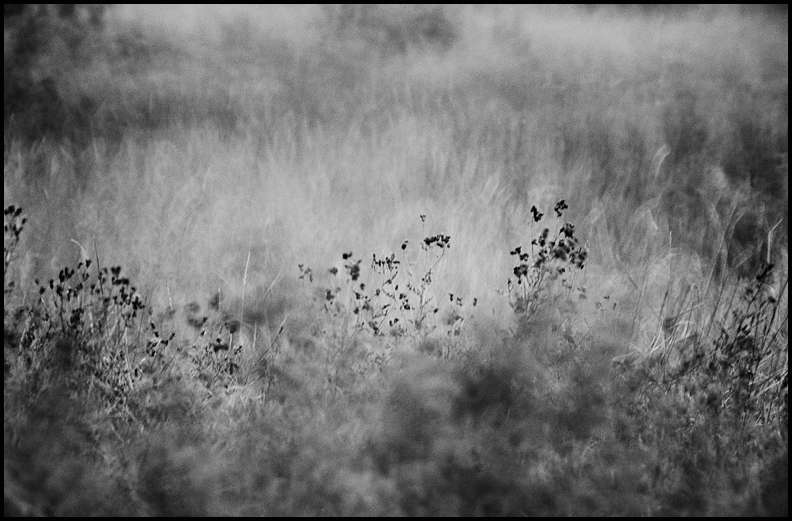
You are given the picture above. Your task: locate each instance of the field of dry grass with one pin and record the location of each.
(293, 260)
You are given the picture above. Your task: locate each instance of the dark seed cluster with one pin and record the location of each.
(441, 241)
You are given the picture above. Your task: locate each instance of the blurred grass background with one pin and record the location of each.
(302, 131)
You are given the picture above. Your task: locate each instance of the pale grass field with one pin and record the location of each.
(467, 137)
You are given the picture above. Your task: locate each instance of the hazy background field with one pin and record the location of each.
(215, 148)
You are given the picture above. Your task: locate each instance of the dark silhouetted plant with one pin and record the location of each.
(397, 297)
(547, 261)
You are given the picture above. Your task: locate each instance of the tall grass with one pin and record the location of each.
(210, 151)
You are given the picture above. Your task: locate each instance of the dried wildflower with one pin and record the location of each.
(440, 240)
(552, 258)
(559, 207)
(305, 273)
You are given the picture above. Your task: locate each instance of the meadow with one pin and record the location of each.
(395, 260)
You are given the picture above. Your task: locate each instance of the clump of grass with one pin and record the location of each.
(83, 330)
(90, 331)
(741, 372)
(707, 408)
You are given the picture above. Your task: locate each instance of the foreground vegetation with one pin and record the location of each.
(389, 260)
